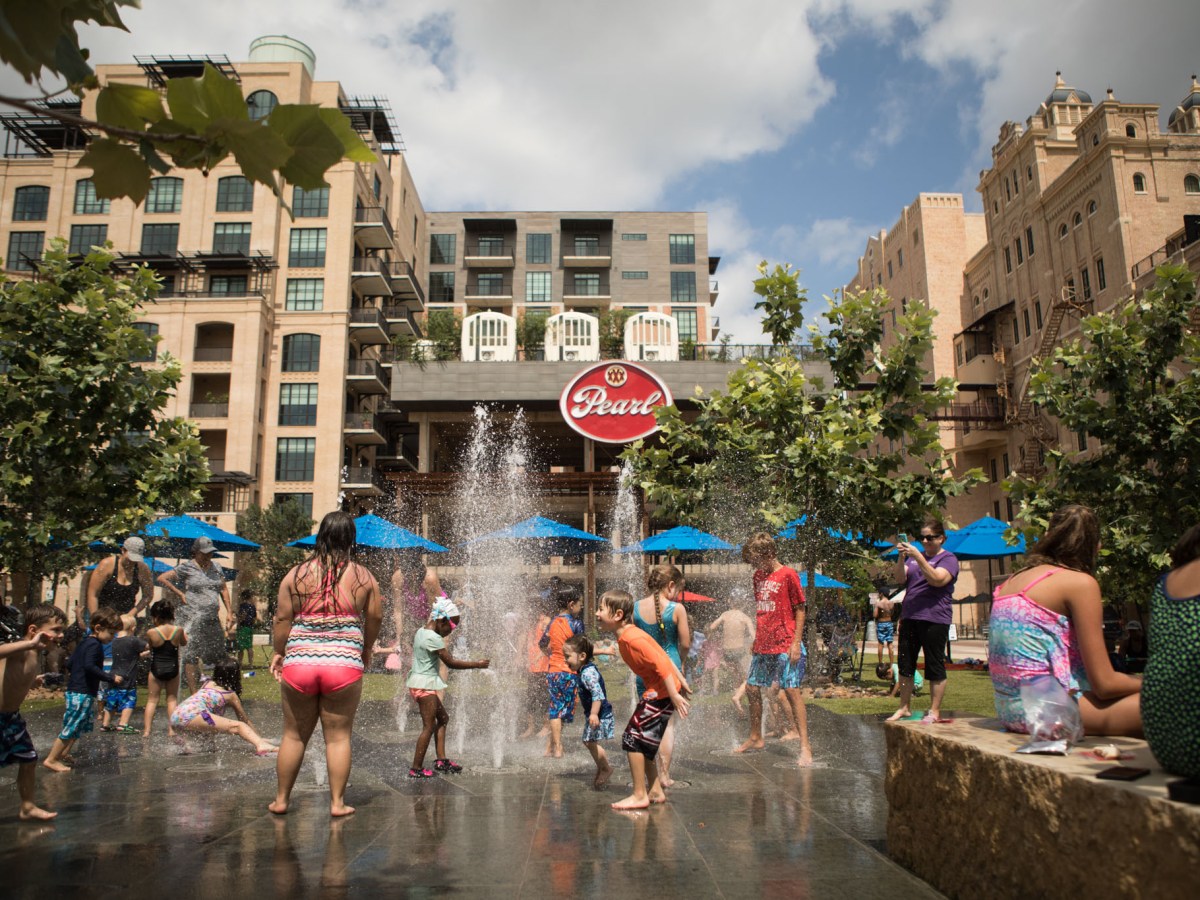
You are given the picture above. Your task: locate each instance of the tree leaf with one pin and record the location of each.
(199, 102)
(129, 106)
(258, 150)
(354, 148)
(117, 170)
(315, 147)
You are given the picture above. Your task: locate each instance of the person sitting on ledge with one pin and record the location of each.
(1047, 619)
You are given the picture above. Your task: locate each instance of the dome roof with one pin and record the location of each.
(1189, 102)
(1063, 94)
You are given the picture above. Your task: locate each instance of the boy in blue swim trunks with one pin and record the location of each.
(87, 671)
(885, 627)
(779, 652)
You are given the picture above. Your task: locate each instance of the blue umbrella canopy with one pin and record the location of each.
(822, 581)
(983, 539)
(789, 534)
(544, 535)
(380, 534)
(178, 532)
(681, 539)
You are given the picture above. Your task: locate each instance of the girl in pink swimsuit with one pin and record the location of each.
(202, 711)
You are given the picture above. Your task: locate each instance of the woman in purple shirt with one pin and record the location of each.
(925, 616)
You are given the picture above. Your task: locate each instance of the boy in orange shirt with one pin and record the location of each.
(666, 692)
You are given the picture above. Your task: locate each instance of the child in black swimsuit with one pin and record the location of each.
(164, 639)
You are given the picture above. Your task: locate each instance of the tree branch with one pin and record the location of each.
(128, 134)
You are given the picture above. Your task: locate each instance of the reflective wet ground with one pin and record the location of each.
(141, 820)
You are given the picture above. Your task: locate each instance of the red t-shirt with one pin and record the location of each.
(648, 661)
(777, 596)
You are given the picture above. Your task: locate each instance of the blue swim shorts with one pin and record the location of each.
(885, 632)
(77, 718)
(119, 699)
(767, 668)
(16, 746)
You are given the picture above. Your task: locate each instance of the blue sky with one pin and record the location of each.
(800, 126)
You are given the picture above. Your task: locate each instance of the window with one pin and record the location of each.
(958, 354)
(1077, 220)
(1101, 284)
(685, 320)
(441, 287)
(1081, 438)
(1062, 231)
(295, 458)
(1037, 313)
(1092, 208)
(491, 245)
(1095, 139)
(86, 201)
(1007, 190)
(635, 275)
(160, 240)
(537, 287)
(377, 186)
(150, 330)
(235, 194)
(307, 248)
(1016, 183)
(916, 236)
(260, 103)
(1139, 183)
(587, 245)
(1085, 280)
(1191, 184)
(975, 300)
(298, 404)
(1020, 251)
(537, 248)
(1009, 507)
(1071, 288)
(310, 204)
(889, 267)
(899, 259)
(996, 514)
(1007, 467)
(305, 294)
(227, 285)
(31, 203)
(302, 353)
(1029, 242)
(587, 284)
(683, 287)
(442, 249)
(683, 248)
(1016, 331)
(166, 195)
(1131, 130)
(1007, 260)
(231, 237)
(304, 501)
(995, 471)
(1029, 173)
(85, 237)
(1025, 315)
(490, 284)
(632, 236)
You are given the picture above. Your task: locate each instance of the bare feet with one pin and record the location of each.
(33, 813)
(341, 810)
(806, 758)
(279, 807)
(665, 780)
(602, 777)
(658, 797)
(737, 704)
(265, 749)
(558, 752)
(790, 736)
(633, 801)
(902, 713)
(56, 766)
(751, 744)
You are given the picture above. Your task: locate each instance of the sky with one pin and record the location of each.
(801, 127)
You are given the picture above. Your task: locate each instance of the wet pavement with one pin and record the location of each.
(139, 819)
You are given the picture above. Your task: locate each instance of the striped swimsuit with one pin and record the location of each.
(325, 647)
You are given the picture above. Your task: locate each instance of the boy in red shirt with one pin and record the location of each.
(779, 652)
(665, 693)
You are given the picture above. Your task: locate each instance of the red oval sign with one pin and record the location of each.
(614, 402)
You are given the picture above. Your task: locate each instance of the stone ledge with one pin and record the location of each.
(975, 819)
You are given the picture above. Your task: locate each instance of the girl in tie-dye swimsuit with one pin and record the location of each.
(203, 710)
(324, 651)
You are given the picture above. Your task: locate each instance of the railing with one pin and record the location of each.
(212, 295)
(368, 315)
(399, 314)
(978, 345)
(1174, 244)
(368, 265)
(688, 352)
(212, 354)
(572, 288)
(359, 475)
(490, 289)
(365, 368)
(585, 250)
(362, 421)
(404, 269)
(209, 411)
(490, 250)
(989, 410)
(374, 215)
(216, 464)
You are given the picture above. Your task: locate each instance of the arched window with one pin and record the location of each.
(302, 353)
(975, 300)
(1139, 183)
(1191, 184)
(235, 194)
(31, 203)
(1029, 173)
(260, 103)
(166, 195)
(1131, 130)
(1095, 139)
(86, 201)
(1062, 231)
(985, 294)
(1092, 207)
(1077, 220)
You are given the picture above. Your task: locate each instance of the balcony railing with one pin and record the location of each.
(367, 316)
(502, 288)
(363, 421)
(404, 280)
(490, 249)
(374, 215)
(212, 354)
(362, 477)
(209, 411)
(365, 368)
(449, 351)
(1163, 254)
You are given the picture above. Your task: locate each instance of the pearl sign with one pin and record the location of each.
(614, 402)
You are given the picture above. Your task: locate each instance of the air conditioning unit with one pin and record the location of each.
(487, 355)
(649, 354)
(571, 355)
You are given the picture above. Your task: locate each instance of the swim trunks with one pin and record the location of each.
(16, 746)
(646, 726)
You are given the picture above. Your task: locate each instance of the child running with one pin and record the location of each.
(127, 649)
(429, 648)
(644, 732)
(560, 680)
(87, 671)
(43, 628)
(578, 651)
(165, 639)
(202, 711)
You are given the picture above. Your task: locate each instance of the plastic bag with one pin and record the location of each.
(1051, 715)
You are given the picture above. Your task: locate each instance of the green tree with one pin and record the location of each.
(1131, 381)
(778, 444)
(273, 528)
(533, 331)
(203, 121)
(85, 450)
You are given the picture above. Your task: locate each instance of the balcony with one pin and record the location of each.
(586, 254)
(363, 480)
(372, 228)
(368, 376)
(212, 354)
(368, 325)
(405, 285)
(400, 320)
(488, 291)
(370, 277)
(714, 290)
(392, 459)
(363, 428)
(209, 411)
(489, 254)
(579, 292)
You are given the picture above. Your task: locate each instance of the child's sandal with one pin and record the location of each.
(420, 773)
(448, 766)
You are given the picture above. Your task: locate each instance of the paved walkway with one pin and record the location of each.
(141, 820)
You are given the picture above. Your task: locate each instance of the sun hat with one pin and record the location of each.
(135, 548)
(444, 608)
(203, 544)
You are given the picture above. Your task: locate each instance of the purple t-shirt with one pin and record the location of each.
(924, 601)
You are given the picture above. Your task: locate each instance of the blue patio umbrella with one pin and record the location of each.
(789, 534)
(380, 534)
(681, 539)
(178, 532)
(821, 581)
(983, 539)
(543, 536)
